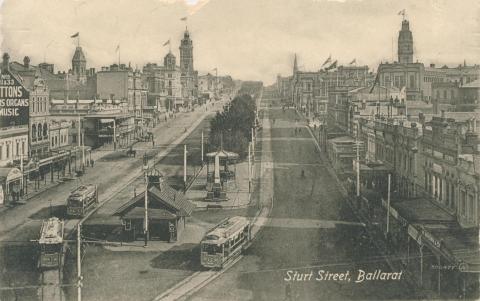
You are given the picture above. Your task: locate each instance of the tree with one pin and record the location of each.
(231, 129)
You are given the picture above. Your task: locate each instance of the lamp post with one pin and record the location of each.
(145, 225)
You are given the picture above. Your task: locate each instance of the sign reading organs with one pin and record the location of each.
(14, 101)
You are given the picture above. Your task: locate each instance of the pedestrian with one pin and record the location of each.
(288, 292)
(153, 143)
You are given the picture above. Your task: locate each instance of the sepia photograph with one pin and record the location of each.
(239, 150)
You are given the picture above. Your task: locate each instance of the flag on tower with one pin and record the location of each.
(166, 43)
(328, 60)
(353, 61)
(75, 35)
(184, 19)
(332, 66)
(402, 12)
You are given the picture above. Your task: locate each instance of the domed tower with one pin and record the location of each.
(79, 65)
(186, 54)
(405, 44)
(169, 61)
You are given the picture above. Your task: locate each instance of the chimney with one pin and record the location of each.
(26, 62)
(432, 65)
(5, 62)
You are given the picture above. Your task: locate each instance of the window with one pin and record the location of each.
(24, 151)
(8, 152)
(412, 81)
(17, 149)
(463, 207)
(470, 213)
(445, 94)
(1, 152)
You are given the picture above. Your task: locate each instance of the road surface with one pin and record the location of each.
(310, 229)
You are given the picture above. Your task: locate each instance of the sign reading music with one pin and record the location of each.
(14, 101)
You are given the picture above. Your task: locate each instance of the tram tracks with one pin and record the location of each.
(193, 283)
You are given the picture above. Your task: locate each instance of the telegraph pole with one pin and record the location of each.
(79, 264)
(145, 230)
(185, 166)
(202, 148)
(357, 165)
(249, 167)
(388, 203)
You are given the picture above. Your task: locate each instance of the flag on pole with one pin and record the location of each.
(118, 48)
(377, 78)
(402, 12)
(403, 93)
(166, 43)
(353, 61)
(184, 19)
(328, 60)
(214, 69)
(332, 66)
(75, 35)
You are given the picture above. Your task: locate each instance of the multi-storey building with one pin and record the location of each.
(164, 84)
(39, 108)
(188, 77)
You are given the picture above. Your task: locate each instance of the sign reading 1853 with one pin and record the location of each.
(14, 100)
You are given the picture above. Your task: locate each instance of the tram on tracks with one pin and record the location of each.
(225, 241)
(82, 200)
(51, 244)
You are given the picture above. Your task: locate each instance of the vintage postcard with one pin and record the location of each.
(155, 150)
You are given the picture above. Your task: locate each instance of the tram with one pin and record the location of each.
(51, 244)
(81, 200)
(225, 241)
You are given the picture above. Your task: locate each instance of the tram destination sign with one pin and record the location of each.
(14, 101)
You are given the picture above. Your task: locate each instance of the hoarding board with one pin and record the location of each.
(14, 101)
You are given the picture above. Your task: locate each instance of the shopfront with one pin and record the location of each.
(10, 185)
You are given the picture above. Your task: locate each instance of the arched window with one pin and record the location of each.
(45, 130)
(39, 131)
(34, 132)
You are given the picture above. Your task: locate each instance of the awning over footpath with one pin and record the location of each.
(8, 174)
(429, 224)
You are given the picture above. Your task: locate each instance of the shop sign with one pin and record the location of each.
(14, 101)
(431, 239)
(414, 234)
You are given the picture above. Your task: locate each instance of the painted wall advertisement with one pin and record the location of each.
(14, 101)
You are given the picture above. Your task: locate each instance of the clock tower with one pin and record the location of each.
(405, 44)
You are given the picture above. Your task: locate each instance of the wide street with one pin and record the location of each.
(111, 173)
(311, 228)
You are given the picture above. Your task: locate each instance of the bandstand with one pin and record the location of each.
(220, 180)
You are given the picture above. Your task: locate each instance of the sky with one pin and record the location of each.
(248, 39)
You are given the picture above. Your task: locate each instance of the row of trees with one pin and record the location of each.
(231, 129)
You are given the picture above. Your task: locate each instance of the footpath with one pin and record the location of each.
(14, 217)
(373, 229)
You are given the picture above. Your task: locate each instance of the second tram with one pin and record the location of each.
(225, 241)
